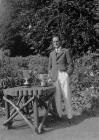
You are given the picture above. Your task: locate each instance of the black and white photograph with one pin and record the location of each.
(49, 69)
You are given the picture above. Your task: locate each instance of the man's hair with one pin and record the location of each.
(58, 36)
(54, 35)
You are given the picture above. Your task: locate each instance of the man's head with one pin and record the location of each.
(56, 42)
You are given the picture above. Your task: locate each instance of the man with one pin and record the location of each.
(60, 69)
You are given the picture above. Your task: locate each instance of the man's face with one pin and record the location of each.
(56, 42)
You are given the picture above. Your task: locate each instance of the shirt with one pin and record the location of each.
(58, 50)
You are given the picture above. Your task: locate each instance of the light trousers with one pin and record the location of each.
(63, 90)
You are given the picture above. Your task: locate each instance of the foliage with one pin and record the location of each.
(11, 69)
(84, 82)
(6, 14)
(39, 64)
(36, 21)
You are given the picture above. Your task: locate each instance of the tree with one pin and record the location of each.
(36, 21)
(5, 19)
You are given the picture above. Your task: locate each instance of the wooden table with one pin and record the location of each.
(32, 97)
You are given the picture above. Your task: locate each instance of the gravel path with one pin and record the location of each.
(83, 128)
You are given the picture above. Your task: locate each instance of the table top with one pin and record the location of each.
(27, 90)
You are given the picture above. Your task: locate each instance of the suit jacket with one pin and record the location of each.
(61, 61)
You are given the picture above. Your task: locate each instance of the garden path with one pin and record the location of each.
(83, 128)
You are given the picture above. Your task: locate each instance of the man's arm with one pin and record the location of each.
(50, 63)
(49, 68)
(70, 62)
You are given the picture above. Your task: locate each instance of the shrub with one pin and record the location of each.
(39, 64)
(84, 82)
(10, 73)
(11, 69)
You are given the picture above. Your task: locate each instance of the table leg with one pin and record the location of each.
(19, 100)
(7, 108)
(36, 115)
(19, 112)
(45, 116)
(26, 108)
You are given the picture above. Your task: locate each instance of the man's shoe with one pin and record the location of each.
(70, 121)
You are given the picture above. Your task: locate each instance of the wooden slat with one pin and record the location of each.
(15, 114)
(32, 100)
(19, 112)
(13, 91)
(35, 106)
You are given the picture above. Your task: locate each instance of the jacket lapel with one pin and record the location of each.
(59, 54)
(55, 55)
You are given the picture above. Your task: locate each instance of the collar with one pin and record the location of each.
(58, 49)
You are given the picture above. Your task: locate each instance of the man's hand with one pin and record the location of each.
(49, 77)
(49, 80)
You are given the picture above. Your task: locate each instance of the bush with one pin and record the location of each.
(11, 69)
(10, 73)
(39, 64)
(84, 82)
(35, 21)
